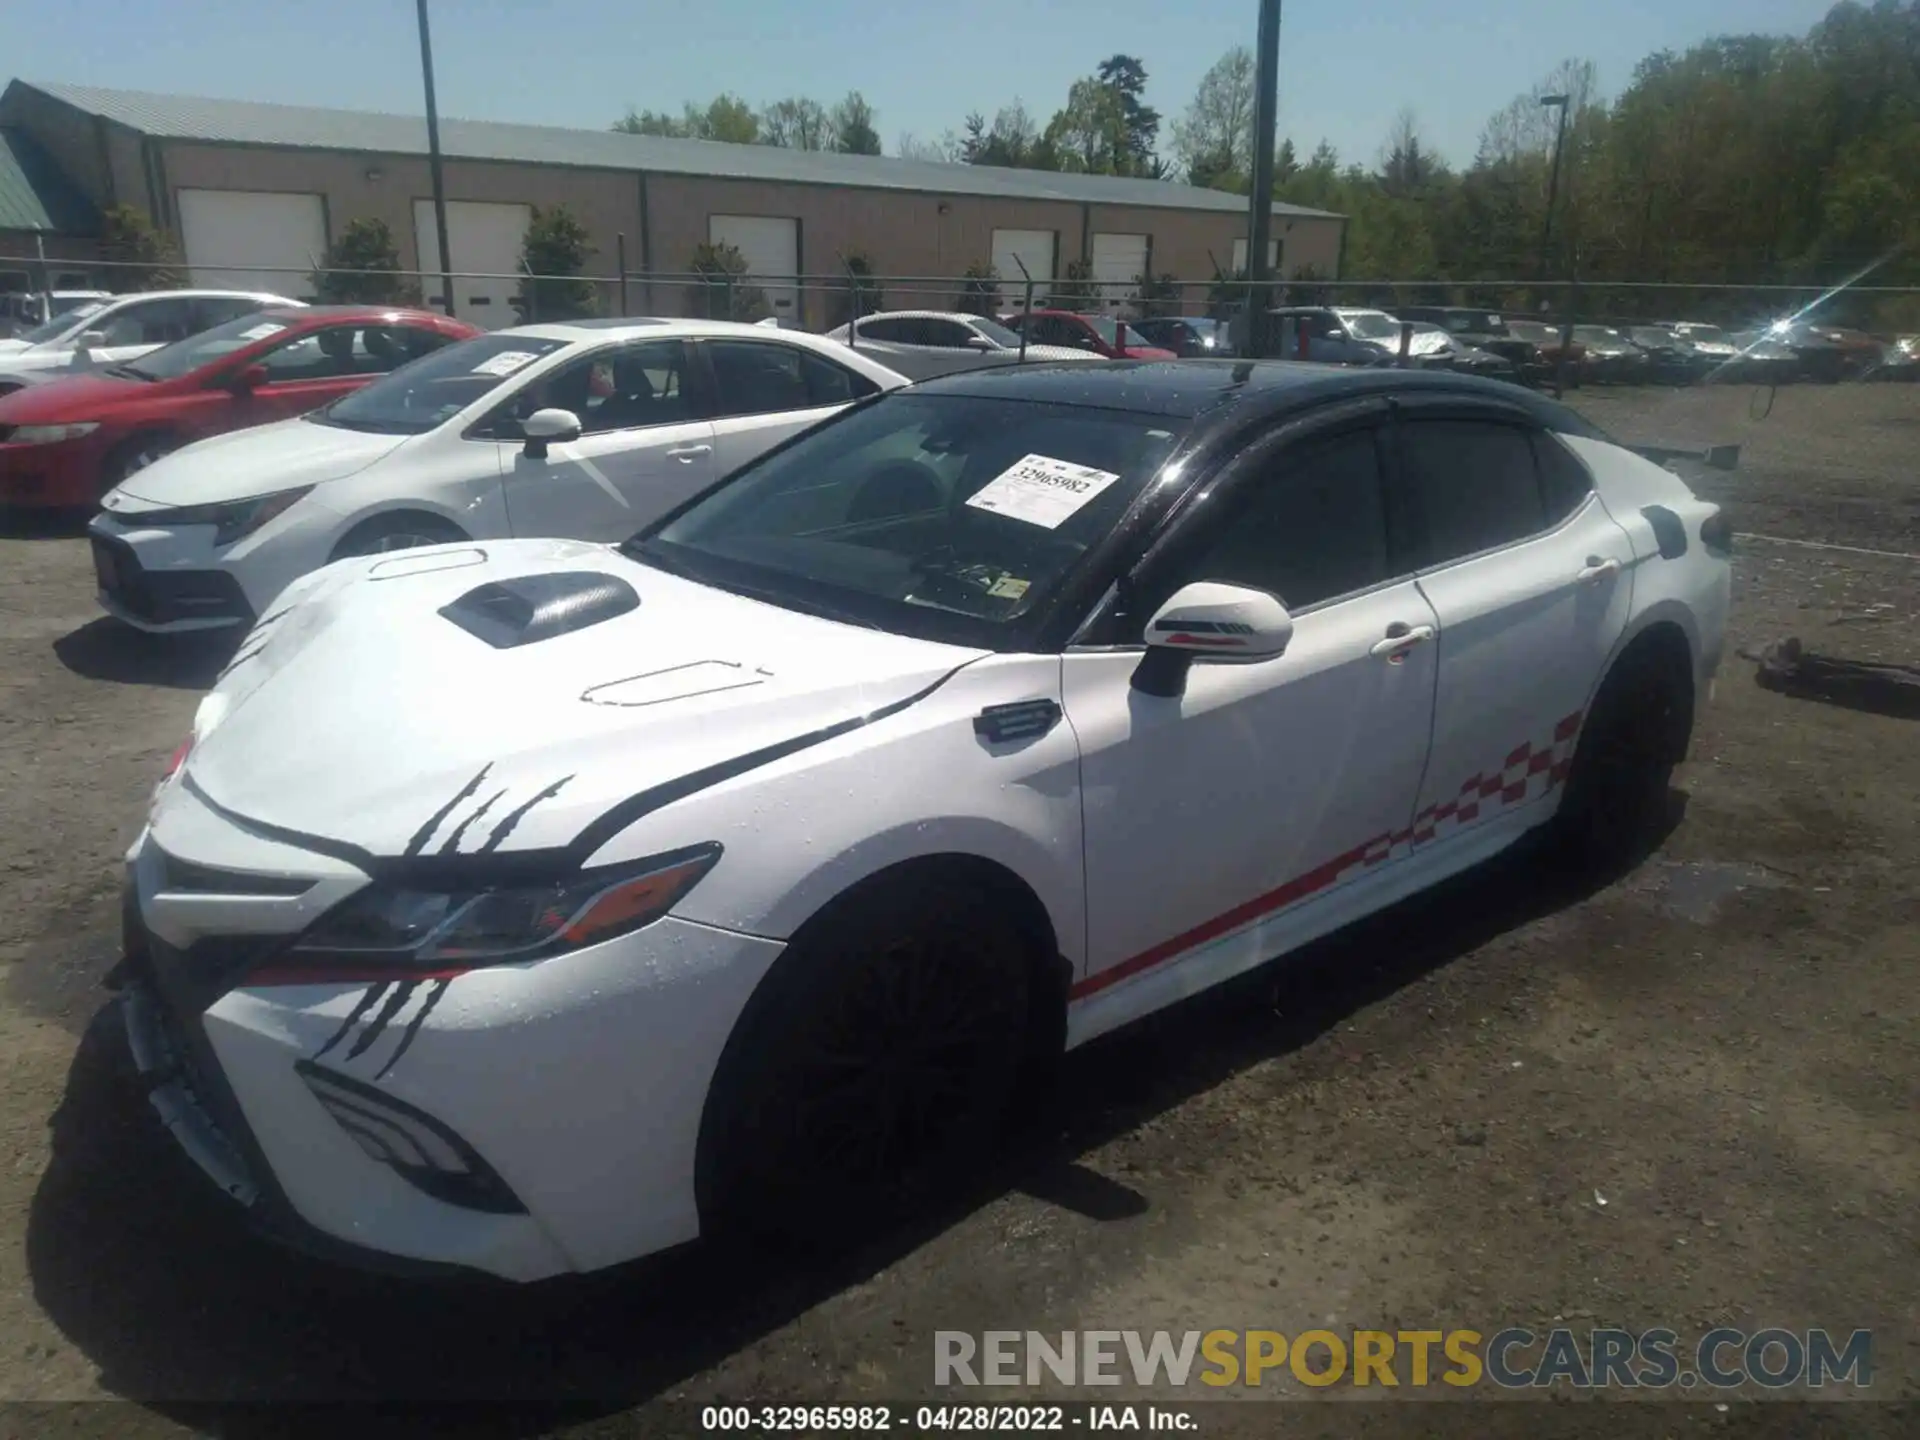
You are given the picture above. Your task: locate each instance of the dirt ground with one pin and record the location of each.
(1689, 1099)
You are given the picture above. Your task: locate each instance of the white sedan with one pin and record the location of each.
(588, 429)
(530, 906)
(947, 332)
(119, 328)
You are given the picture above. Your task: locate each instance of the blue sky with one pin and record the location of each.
(1346, 65)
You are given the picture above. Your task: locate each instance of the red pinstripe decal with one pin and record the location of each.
(1373, 852)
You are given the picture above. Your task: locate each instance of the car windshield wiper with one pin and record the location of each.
(130, 372)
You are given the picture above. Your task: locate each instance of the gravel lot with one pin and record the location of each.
(1413, 1128)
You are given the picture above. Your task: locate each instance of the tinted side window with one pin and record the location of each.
(151, 322)
(758, 379)
(1474, 484)
(213, 310)
(1311, 528)
(948, 334)
(899, 331)
(318, 355)
(1564, 481)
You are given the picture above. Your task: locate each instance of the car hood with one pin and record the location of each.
(63, 399)
(358, 711)
(12, 346)
(245, 463)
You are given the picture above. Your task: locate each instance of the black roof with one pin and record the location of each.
(1189, 389)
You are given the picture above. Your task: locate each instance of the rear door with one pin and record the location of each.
(644, 444)
(763, 391)
(1529, 578)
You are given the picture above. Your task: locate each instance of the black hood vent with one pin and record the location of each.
(531, 608)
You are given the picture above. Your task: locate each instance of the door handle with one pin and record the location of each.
(685, 453)
(1400, 639)
(1598, 570)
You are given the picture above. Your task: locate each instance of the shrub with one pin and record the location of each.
(722, 294)
(362, 267)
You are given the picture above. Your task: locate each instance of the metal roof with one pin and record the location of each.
(34, 195)
(186, 117)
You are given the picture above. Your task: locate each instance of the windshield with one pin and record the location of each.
(1370, 324)
(426, 393)
(55, 328)
(1647, 335)
(1711, 334)
(1597, 335)
(942, 516)
(995, 331)
(183, 357)
(1107, 331)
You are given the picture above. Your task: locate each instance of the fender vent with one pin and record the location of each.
(531, 608)
(1668, 529)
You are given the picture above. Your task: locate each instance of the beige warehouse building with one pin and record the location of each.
(254, 193)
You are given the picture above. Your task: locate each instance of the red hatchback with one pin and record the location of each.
(1111, 338)
(69, 441)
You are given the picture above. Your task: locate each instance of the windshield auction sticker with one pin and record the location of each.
(505, 363)
(1041, 490)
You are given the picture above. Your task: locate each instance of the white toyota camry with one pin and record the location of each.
(588, 429)
(527, 907)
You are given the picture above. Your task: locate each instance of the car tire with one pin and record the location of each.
(134, 455)
(1636, 733)
(397, 530)
(873, 1067)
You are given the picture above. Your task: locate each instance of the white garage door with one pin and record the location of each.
(224, 229)
(1033, 248)
(1240, 253)
(1118, 262)
(483, 241)
(771, 246)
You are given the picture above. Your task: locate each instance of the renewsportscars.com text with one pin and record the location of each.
(1511, 1358)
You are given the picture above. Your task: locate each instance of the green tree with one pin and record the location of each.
(725, 117)
(144, 258)
(556, 249)
(1074, 290)
(798, 124)
(855, 126)
(859, 293)
(1138, 123)
(362, 267)
(979, 290)
(1213, 140)
(1157, 296)
(723, 294)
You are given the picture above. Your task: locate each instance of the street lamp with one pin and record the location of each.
(1553, 180)
(1559, 102)
(433, 165)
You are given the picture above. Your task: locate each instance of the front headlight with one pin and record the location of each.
(51, 434)
(388, 931)
(233, 519)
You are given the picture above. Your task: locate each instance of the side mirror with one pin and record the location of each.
(980, 342)
(93, 340)
(246, 381)
(1231, 623)
(547, 427)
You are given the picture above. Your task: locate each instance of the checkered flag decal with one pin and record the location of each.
(1528, 773)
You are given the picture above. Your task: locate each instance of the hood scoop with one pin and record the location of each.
(527, 609)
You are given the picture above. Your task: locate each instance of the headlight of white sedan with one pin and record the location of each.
(233, 519)
(388, 931)
(51, 434)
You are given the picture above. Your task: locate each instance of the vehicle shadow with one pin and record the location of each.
(144, 1267)
(20, 524)
(105, 649)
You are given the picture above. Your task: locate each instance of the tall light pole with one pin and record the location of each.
(1266, 118)
(1553, 178)
(433, 164)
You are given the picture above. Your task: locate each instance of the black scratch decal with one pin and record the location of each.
(451, 845)
(245, 655)
(366, 1003)
(425, 832)
(513, 817)
(413, 1026)
(377, 1026)
(267, 620)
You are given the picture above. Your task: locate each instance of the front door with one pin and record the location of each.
(1530, 578)
(643, 447)
(1217, 817)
